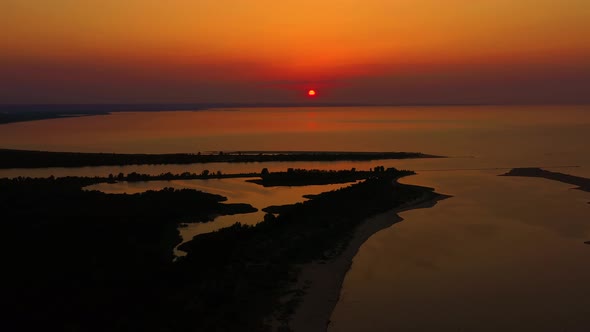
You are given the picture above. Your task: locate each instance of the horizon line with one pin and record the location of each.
(162, 106)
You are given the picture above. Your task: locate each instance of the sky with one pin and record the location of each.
(268, 51)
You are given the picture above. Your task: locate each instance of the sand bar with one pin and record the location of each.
(323, 280)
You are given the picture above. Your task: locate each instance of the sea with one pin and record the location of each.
(501, 254)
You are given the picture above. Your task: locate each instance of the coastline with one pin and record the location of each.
(535, 172)
(11, 158)
(322, 280)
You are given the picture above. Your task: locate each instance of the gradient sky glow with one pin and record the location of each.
(362, 51)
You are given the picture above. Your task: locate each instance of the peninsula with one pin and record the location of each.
(87, 253)
(41, 159)
(581, 182)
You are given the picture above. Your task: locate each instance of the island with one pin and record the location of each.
(303, 177)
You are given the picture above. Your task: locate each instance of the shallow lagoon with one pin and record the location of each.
(236, 190)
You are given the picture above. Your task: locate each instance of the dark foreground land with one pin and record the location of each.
(41, 159)
(88, 261)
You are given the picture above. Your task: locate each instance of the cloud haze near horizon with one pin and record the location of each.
(372, 51)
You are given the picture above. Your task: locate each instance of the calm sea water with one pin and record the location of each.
(475, 136)
(503, 254)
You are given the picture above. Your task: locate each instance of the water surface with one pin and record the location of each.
(503, 254)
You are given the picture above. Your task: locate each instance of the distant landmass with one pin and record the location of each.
(10, 113)
(41, 159)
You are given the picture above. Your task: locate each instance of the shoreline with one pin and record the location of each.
(534, 172)
(322, 281)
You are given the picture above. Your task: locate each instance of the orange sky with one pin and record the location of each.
(266, 51)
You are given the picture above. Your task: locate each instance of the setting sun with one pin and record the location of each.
(311, 93)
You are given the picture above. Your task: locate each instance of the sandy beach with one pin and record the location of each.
(323, 280)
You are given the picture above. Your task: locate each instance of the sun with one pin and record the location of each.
(311, 93)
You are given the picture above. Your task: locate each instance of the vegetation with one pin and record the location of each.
(205, 174)
(85, 260)
(37, 159)
(78, 181)
(89, 261)
(303, 177)
(255, 265)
